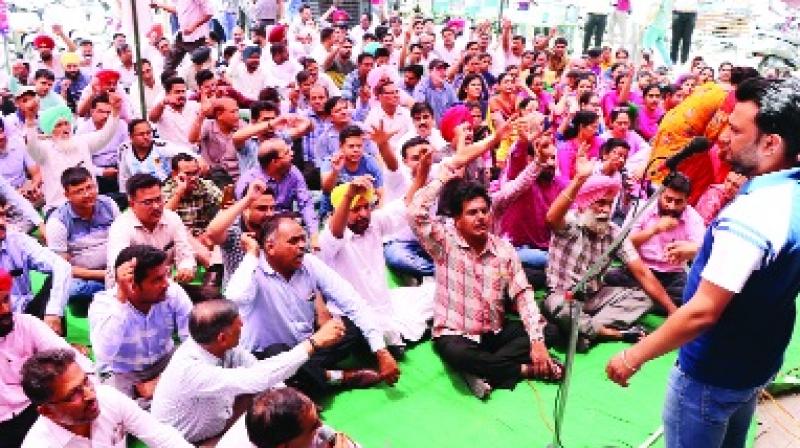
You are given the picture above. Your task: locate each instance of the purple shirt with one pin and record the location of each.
(287, 190)
(523, 221)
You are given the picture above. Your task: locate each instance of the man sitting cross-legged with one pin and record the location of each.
(210, 380)
(473, 270)
(275, 293)
(579, 240)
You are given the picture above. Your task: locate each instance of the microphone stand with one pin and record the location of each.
(576, 297)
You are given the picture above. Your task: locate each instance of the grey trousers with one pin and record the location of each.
(613, 307)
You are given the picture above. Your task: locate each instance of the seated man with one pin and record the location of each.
(350, 162)
(195, 200)
(18, 168)
(474, 269)
(402, 251)
(667, 236)
(20, 254)
(207, 381)
(522, 219)
(78, 231)
(74, 411)
(275, 293)
(247, 215)
(282, 417)
(147, 222)
(579, 240)
(352, 244)
(144, 154)
(131, 325)
(278, 173)
(106, 158)
(21, 336)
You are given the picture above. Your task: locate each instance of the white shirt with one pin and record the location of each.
(248, 84)
(151, 94)
(56, 156)
(174, 126)
(450, 56)
(29, 336)
(196, 391)
(359, 258)
(119, 415)
(400, 122)
(281, 75)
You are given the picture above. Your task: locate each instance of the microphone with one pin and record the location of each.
(696, 146)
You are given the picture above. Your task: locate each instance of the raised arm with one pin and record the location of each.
(218, 227)
(558, 209)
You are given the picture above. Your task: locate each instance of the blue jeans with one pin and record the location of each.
(79, 287)
(532, 257)
(408, 257)
(700, 415)
(228, 23)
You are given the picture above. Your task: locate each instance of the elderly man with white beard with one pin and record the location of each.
(579, 240)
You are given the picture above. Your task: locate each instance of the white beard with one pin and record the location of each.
(597, 224)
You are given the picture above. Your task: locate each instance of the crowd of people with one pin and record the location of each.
(224, 209)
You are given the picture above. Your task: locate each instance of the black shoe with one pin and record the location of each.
(553, 336)
(583, 345)
(478, 386)
(398, 352)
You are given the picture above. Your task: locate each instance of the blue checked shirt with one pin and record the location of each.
(20, 254)
(126, 340)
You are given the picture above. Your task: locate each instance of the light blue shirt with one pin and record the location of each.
(126, 340)
(277, 311)
(20, 254)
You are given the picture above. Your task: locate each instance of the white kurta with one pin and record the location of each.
(359, 259)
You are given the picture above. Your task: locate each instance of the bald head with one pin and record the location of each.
(210, 318)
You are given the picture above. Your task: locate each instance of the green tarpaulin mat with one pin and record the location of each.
(431, 406)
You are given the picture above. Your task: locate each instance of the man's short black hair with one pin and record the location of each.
(360, 58)
(416, 69)
(678, 182)
(614, 143)
(44, 73)
(41, 370)
(147, 257)
(331, 103)
(140, 181)
(181, 157)
(209, 318)
(350, 131)
(459, 191)
(382, 52)
(420, 107)
(203, 76)
(275, 417)
(412, 142)
(135, 122)
(100, 99)
(260, 106)
(778, 104)
(171, 82)
(75, 175)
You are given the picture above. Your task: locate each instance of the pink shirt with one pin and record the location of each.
(29, 336)
(647, 122)
(690, 228)
(522, 220)
(568, 152)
